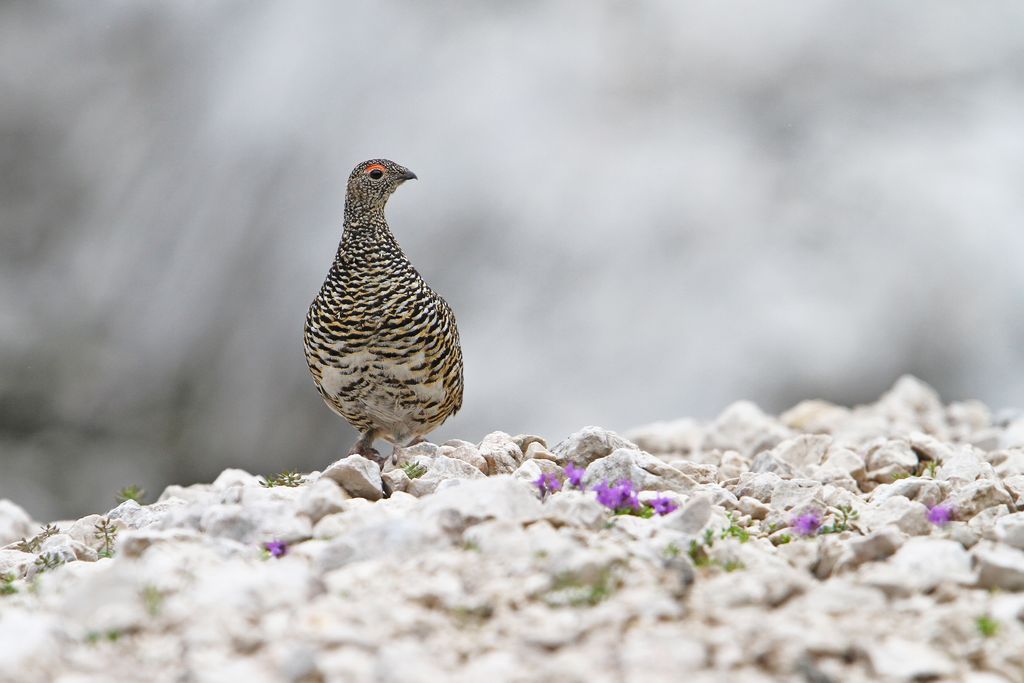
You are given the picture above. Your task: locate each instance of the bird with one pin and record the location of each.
(382, 346)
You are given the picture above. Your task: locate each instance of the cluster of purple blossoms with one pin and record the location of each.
(941, 515)
(807, 524)
(548, 483)
(620, 497)
(663, 505)
(574, 475)
(551, 482)
(276, 548)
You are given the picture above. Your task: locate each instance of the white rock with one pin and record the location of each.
(441, 469)
(15, 523)
(909, 516)
(589, 444)
(464, 451)
(926, 491)
(501, 453)
(929, 561)
(321, 498)
(499, 497)
(760, 486)
(28, 642)
(235, 477)
(676, 437)
(358, 476)
(974, 497)
(901, 659)
(745, 428)
(643, 469)
(573, 508)
(692, 518)
(1010, 530)
(999, 566)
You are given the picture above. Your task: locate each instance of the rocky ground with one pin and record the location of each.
(879, 543)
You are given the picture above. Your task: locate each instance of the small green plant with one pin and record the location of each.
(471, 546)
(7, 584)
(900, 475)
(699, 549)
(734, 530)
(414, 470)
(569, 590)
(131, 492)
(931, 467)
(94, 637)
(34, 544)
(846, 514)
(153, 599)
(106, 533)
(673, 551)
(287, 478)
(987, 626)
(782, 539)
(732, 565)
(645, 511)
(47, 561)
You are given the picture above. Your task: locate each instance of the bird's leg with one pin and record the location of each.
(364, 447)
(412, 442)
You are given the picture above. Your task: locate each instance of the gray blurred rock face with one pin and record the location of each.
(638, 212)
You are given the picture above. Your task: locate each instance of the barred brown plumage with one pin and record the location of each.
(382, 346)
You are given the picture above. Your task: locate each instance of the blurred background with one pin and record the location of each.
(638, 211)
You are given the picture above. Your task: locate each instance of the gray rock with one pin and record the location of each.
(927, 491)
(999, 566)
(766, 461)
(575, 509)
(803, 451)
(464, 451)
(441, 469)
(680, 437)
(234, 477)
(744, 427)
(359, 477)
(321, 498)
(876, 546)
(524, 441)
(974, 497)
(471, 502)
(692, 518)
(1010, 530)
(908, 516)
(760, 486)
(965, 465)
(587, 445)
(929, 561)
(501, 453)
(888, 459)
(15, 523)
(796, 494)
(902, 659)
(643, 469)
(396, 480)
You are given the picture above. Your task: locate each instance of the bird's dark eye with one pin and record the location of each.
(376, 174)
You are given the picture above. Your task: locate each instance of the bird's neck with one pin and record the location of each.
(366, 232)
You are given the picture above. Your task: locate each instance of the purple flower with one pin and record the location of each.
(548, 483)
(618, 497)
(806, 524)
(276, 548)
(663, 505)
(941, 515)
(574, 475)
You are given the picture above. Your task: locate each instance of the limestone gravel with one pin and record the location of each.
(467, 572)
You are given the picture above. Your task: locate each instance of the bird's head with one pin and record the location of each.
(373, 181)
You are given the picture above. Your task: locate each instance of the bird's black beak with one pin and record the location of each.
(407, 175)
